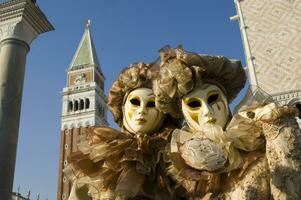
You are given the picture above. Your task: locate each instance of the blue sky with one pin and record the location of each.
(124, 32)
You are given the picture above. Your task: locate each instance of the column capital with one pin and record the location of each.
(22, 20)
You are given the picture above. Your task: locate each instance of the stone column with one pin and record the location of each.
(12, 67)
(21, 21)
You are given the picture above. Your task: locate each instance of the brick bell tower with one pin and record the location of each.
(84, 103)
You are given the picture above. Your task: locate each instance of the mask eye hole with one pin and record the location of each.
(135, 101)
(212, 98)
(194, 103)
(150, 104)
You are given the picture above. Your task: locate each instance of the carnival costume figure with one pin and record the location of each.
(256, 154)
(125, 164)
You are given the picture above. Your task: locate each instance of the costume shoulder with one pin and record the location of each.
(282, 135)
(98, 145)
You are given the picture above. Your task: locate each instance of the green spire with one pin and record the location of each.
(85, 55)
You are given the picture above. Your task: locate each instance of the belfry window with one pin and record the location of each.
(70, 106)
(87, 103)
(75, 105)
(298, 106)
(81, 104)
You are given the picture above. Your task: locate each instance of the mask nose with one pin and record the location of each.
(207, 110)
(141, 111)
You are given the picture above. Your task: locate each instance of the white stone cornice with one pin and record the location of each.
(20, 31)
(287, 95)
(22, 20)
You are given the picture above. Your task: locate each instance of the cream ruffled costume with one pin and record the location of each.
(112, 165)
(256, 156)
(121, 165)
(254, 147)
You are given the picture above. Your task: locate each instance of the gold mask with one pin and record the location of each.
(140, 113)
(206, 104)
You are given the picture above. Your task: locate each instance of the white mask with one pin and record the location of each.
(140, 114)
(205, 105)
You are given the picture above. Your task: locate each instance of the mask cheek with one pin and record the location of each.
(154, 116)
(131, 112)
(159, 115)
(217, 107)
(195, 115)
(201, 119)
(192, 114)
(222, 113)
(154, 120)
(222, 106)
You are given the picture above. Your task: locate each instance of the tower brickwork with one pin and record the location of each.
(84, 104)
(271, 37)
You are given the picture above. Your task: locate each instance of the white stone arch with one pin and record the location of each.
(75, 105)
(294, 101)
(87, 103)
(87, 123)
(65, 127)
(70, 106)
(81, 104)
(72, 126)
(79, 124)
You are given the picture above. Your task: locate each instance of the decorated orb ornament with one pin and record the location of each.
(209, 156)
(140, 112)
